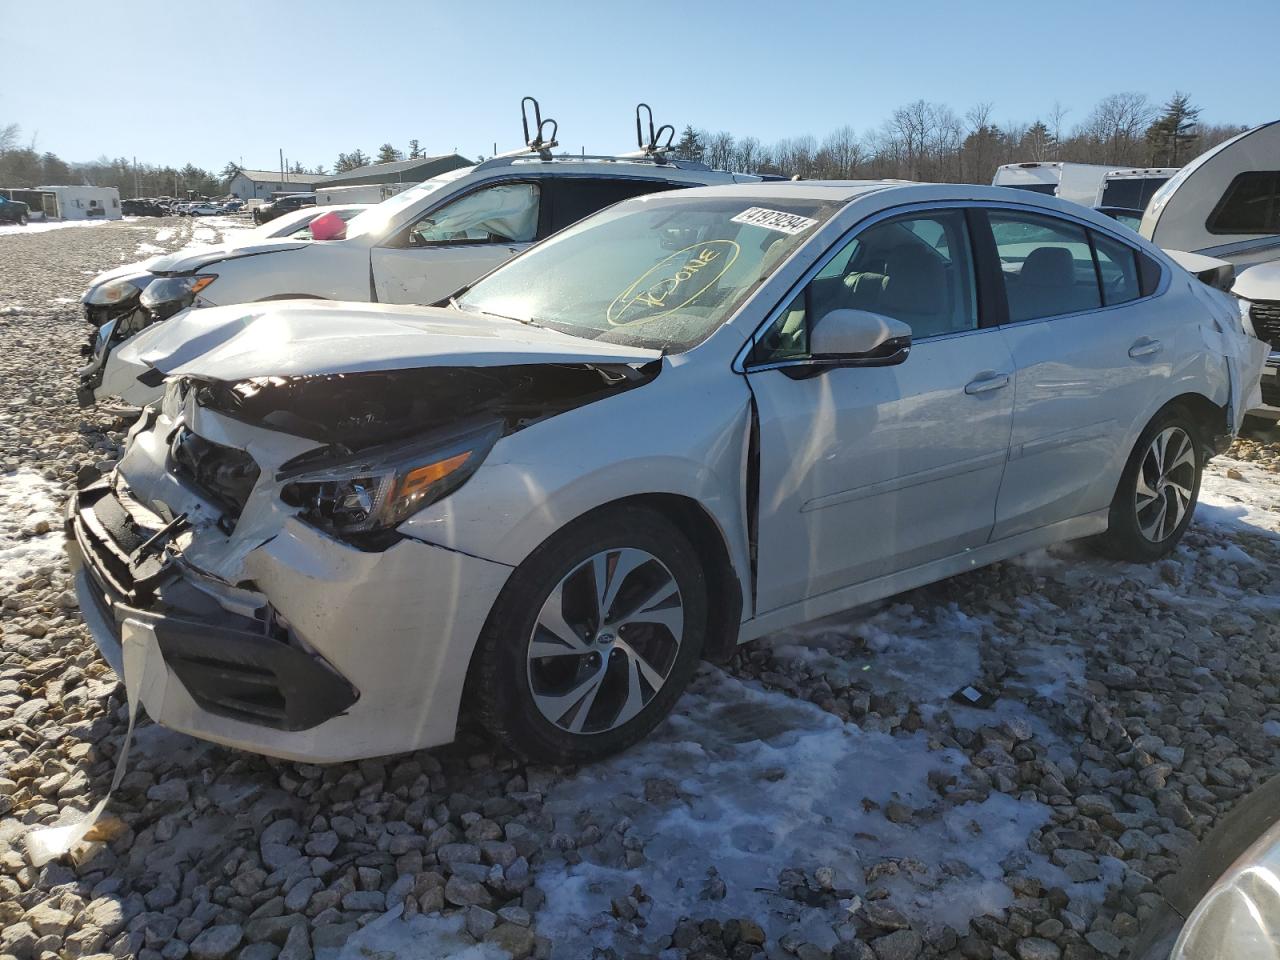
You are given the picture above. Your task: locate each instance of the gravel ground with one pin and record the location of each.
(819, 797)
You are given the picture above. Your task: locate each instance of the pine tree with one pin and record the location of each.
(389, 154)
(415, 151)
(689, 146)
(1173, 136)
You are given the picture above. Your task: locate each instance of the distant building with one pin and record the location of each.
(263, 184)
(397, 171)
(85, 203)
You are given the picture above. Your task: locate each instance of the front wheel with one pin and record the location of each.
(1158, 490)
(593, 639)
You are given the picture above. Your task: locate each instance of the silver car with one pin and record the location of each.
(690, 420)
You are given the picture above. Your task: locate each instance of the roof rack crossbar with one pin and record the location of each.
(537, 139)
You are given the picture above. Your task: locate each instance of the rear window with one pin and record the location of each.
(1131, 192)
(1250, 205)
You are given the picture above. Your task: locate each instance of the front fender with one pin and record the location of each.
(687, 437)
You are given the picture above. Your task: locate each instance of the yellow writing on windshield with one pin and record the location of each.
(673, 282)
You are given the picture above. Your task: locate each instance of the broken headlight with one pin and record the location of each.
(115, 292)
(380, 489)
(166, 296)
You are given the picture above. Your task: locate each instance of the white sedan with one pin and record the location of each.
(690, 420)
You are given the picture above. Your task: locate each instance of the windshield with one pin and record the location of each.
(377, 218)
(659, 271)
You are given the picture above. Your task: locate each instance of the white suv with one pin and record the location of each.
(417, 247)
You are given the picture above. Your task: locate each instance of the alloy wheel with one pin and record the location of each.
(1165, 484)
(605, 641)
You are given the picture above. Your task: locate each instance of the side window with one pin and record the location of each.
(1250, 205)
(1046, 263)
(1117, 269)
(506, 213)
(917, 269)
(566, 200)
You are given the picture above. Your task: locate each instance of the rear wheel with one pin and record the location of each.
(593, 639)
(1158, 490)
(22, 219)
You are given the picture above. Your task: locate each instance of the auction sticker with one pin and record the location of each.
(790, 223)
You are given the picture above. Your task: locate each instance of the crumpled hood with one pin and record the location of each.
(307, 337)
(185, 261)
(1259, 282)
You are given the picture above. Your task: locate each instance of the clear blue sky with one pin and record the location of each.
(172, 82)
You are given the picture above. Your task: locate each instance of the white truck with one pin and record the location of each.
(1088, 184)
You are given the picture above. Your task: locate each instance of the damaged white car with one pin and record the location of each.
(688, 421)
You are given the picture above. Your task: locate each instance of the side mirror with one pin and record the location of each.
(328, 226)
(859, 338)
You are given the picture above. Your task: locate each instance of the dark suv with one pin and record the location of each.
(282, 205)
(13, 211)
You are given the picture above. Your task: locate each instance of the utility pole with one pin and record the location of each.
(282, 166)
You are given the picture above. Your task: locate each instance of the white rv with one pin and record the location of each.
(1088, 184)
(1225, 203)
(358, 193)
(86, 203)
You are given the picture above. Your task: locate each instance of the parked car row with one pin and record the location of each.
(599, 418)
(168, 207)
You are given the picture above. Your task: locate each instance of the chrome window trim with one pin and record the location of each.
(925, 206)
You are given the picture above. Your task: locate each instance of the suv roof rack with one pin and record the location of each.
(652, 147)
(537, 143)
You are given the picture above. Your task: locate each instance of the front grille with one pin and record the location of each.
(1265, 317)
(225, 475)
(109, 537)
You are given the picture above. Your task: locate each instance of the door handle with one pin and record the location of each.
(1146, 347)
(985, 384)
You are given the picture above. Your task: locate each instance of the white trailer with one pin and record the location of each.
(1225, 203)
(358, 193)
(86, 203)
(1088, 184)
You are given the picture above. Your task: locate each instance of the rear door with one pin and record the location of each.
(1087, 339)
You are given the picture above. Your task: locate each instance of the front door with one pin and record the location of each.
(865, 471)
(452, 245)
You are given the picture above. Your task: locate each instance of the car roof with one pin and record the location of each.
(889, 193)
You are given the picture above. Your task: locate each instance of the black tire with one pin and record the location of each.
(499, 682)
(1125, 538)
(22, 219)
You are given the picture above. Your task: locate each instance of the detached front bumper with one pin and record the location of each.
(321, 654)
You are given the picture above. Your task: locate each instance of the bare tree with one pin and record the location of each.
(1056, 116)
(1119, 123)
(843, 153)
(9, 137)
(719, 150)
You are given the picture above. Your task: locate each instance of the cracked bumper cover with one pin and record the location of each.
(372, 660)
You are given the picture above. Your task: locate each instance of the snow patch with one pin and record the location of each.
(10, 229)
(755, 782)
(165, 234)
(25, 499)
(432, 937)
